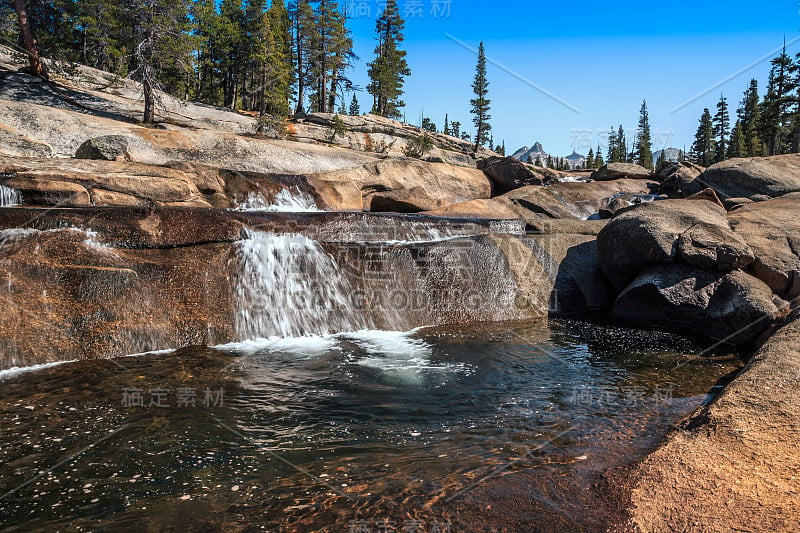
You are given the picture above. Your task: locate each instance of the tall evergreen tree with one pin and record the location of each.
(355, 109)
(446, 130)
(330, 54)
(598, 160)
(622, 145)
(775, 108)
(590, 159)
(277, 76)
(389, 68)
(722, 125)
(303, 27)
(737, 148)
(644, 143)
(613, 147)
(480, 104)
(704, 145)
(749, 114)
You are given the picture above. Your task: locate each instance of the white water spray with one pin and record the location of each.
(284, 200)
(9, 197)
(288, 286)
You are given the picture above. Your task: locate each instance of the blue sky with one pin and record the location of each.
(601, 58)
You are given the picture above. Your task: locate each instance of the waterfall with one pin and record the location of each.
(288, 286)
(9, 196)
(284, 200)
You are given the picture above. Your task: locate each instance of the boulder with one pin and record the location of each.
(733, 307)
(747, 178)
(106, 147)
(670, 231)
(679, 179)
(708, 195)
(772, 230)
(508, 174)
(614, 171)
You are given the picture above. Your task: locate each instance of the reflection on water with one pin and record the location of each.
(495, 425)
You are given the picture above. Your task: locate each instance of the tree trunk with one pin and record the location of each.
(149, 101)
(35, 62)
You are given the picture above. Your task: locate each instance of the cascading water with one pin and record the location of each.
(284, 200)
(287, 286)
(9, 197)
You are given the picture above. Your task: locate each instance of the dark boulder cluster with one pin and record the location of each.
(680, 264)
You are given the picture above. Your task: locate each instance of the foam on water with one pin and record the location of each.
(310, 346)
(399, 356)
(17, 370)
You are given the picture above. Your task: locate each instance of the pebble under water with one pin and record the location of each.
(485, 427)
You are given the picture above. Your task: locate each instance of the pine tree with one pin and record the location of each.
(737, 147)
(446, 130)
(749, 114)
(704, 145)
(775, 108)
(330, 51)
(662, 159)
(101, 34)
(480, 104)
(598, 160)
(455, 129)
(388, 69)
(303, 27)
(278, 70)
(622, 147)
(613, 146)
(722, 124)
(644, 144)
(590, 159)
(355, 109)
